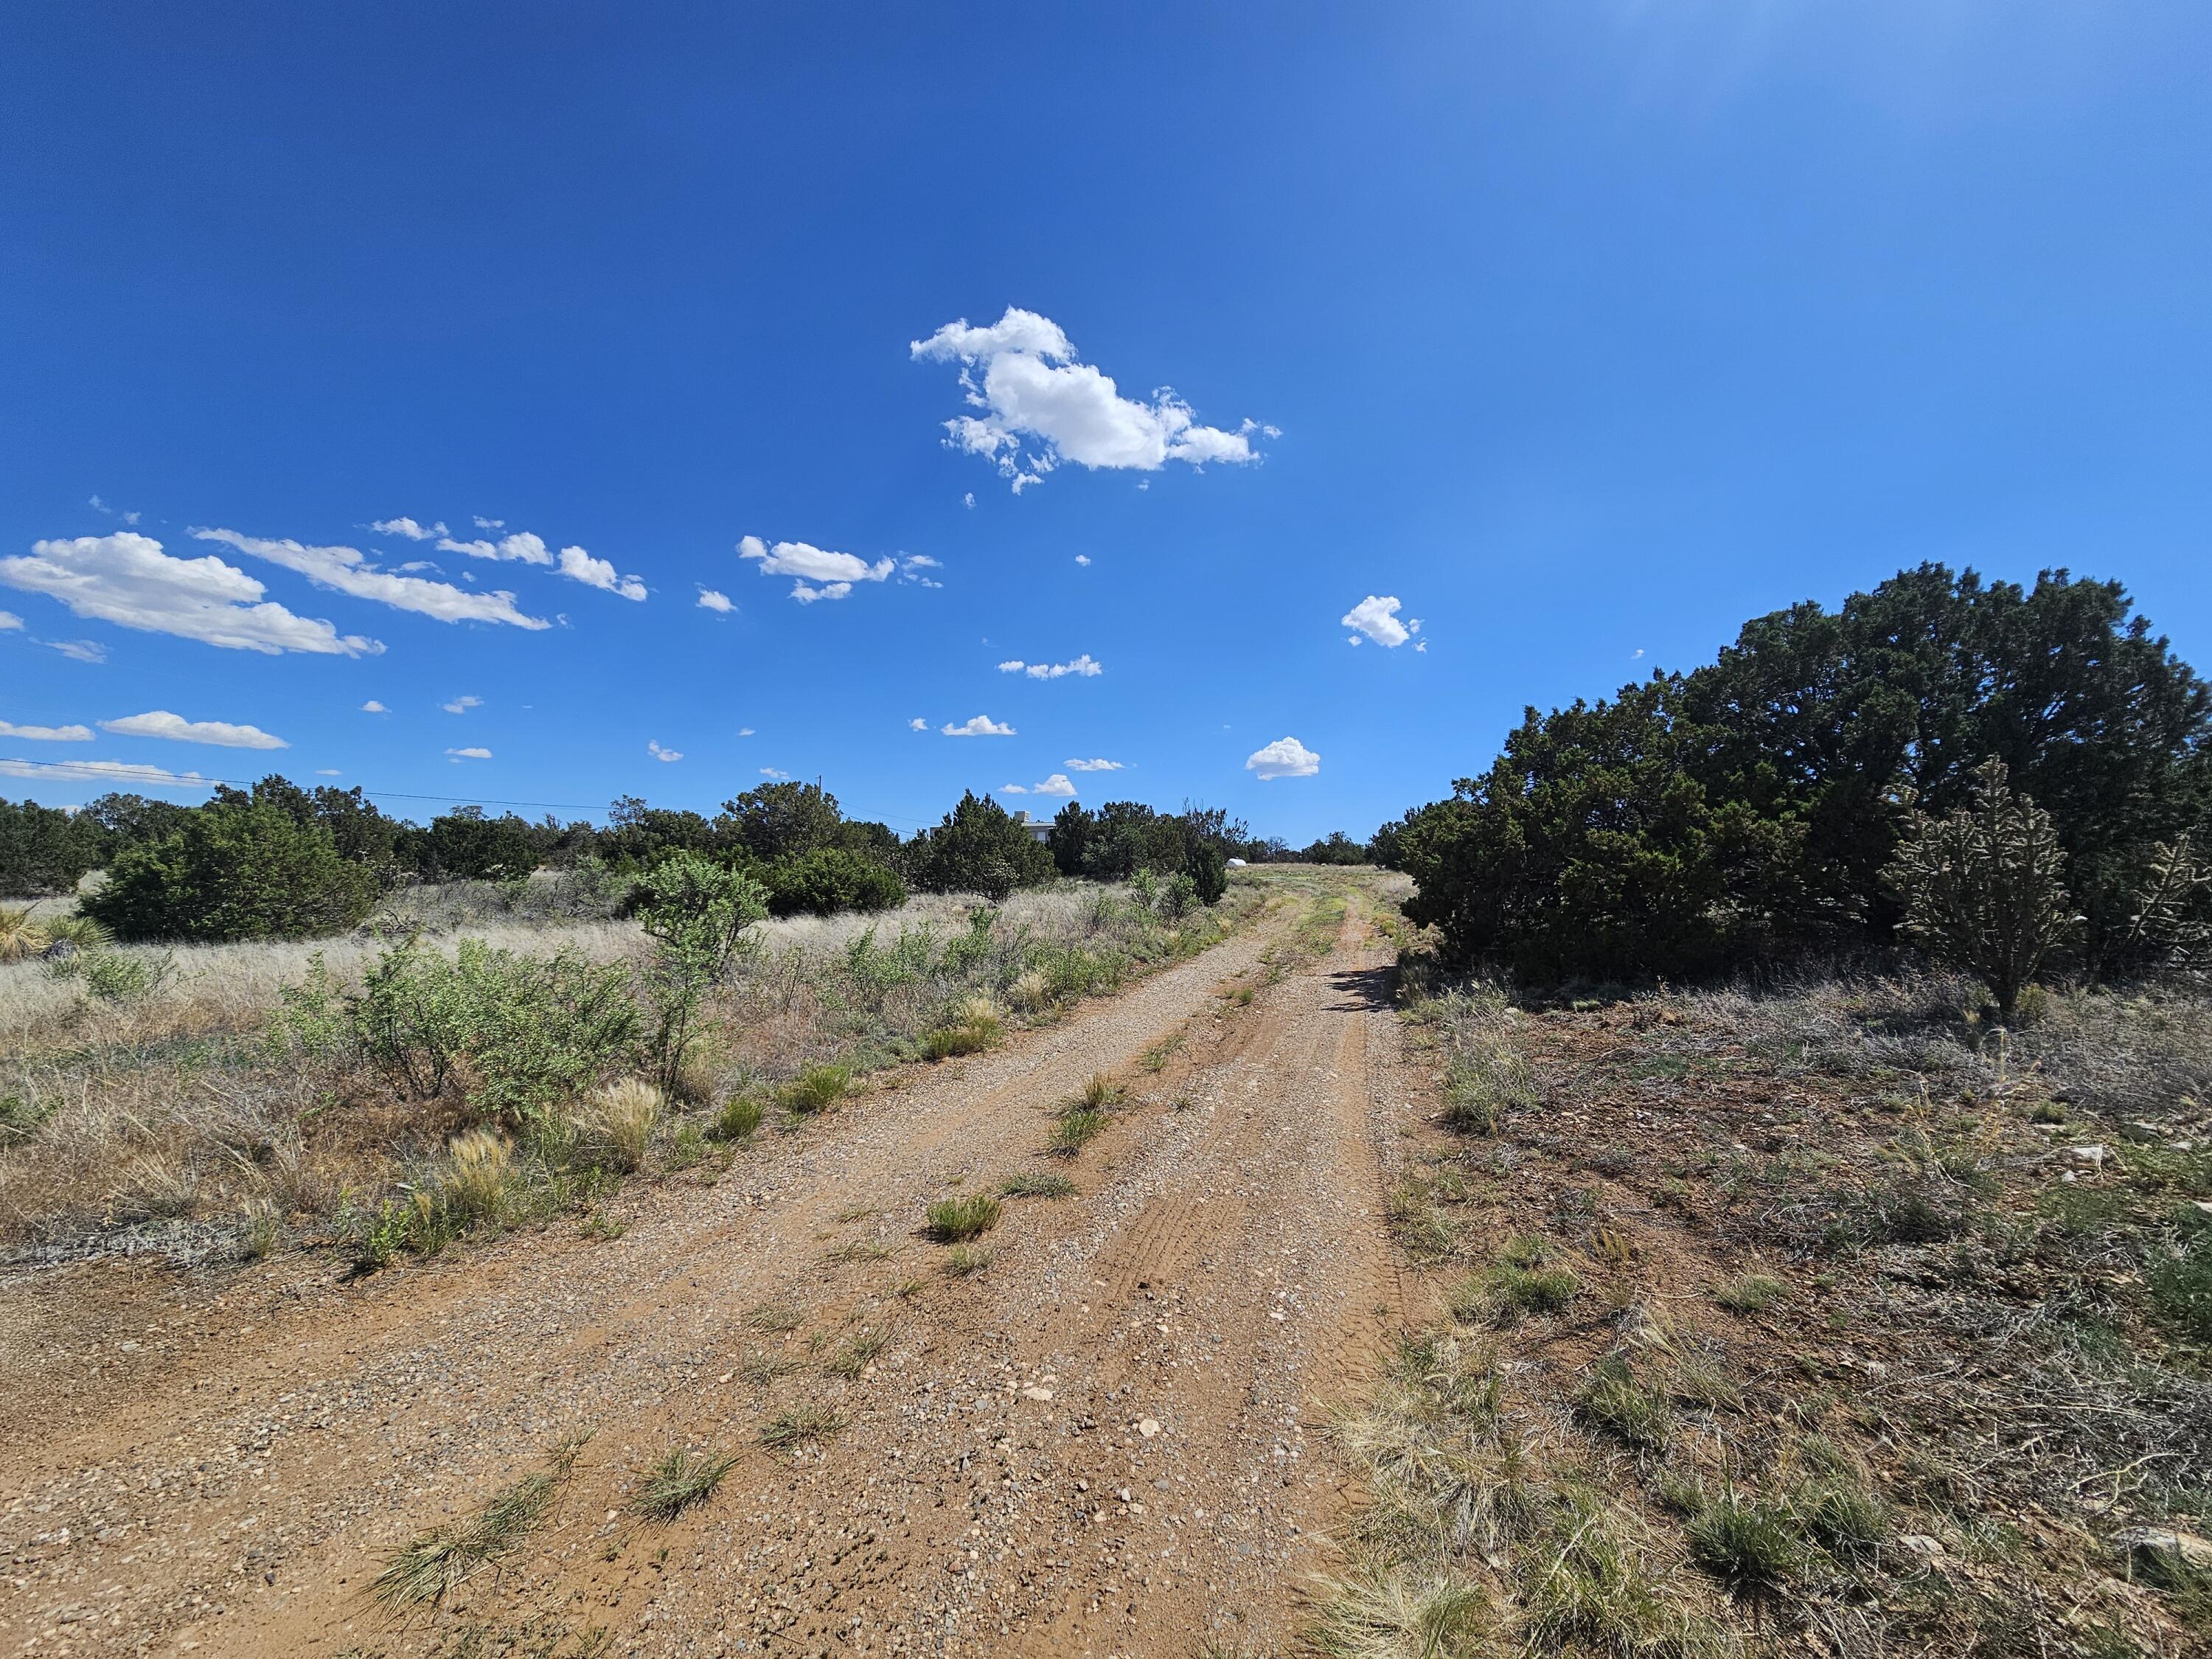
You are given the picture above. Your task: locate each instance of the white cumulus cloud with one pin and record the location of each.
(1377, 619)
(1041, 407)
(462, 705)
(46, 734)
(460, 755)
(835, 572)
(711, 600)
(579, 566)
(982, 726)
(1083, 558)
(654, 748)
(917, 725)
(1057, 784)
(160, 723)
(1082, 665)
(372, 706)
(348, 570)
(77, 771)
(409, 528)
(8, 619)
(1285, 757)
(1094, 766)
(126, 578)
(772, 772)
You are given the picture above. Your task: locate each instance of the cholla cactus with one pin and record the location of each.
(1982, 887)
(2167, 922)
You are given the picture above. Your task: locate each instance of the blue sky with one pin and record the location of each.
(1582, 331)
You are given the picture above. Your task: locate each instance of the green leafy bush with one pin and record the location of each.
(699, 915)
(518, 1034)
(233, 872)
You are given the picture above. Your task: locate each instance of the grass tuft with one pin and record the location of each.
(1743, 1543)
(678, 1482)
(1026, 1185)
(1400, 1614)
(965, 1260)
(815, 1089)
(1752, 1293)
(800, 1425)
(1633, 1414)
(1074, 1130)
(429, 1566)
(951, 1220)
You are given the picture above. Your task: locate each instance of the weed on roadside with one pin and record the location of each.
(952, 1220)
(436, 1562)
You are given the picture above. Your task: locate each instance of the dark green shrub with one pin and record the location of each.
(232, 872)
(1750, 807)
(978, 848)
(829, 880)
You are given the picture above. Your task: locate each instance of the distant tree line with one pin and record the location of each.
(1754, 808)
(277, 861)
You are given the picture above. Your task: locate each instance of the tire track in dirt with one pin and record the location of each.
(1003, 1417)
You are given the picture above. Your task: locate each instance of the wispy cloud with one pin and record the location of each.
(1041, 407)
(982, 726)
(654, 748)
(458, 755)
(1285, 757)
(160, 723)
(91, 650)
(462, 705)
(8, 619)
(46, 734)
(1094, 766)
(780, 775)
(917, 726)
(1082, 665)
(127, 580)
(105, 511)
(90, 771)
(348, 570)
(409, 528)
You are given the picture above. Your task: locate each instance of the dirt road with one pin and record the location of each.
(1103, 1443)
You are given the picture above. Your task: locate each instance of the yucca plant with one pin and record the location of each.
(20, 939)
